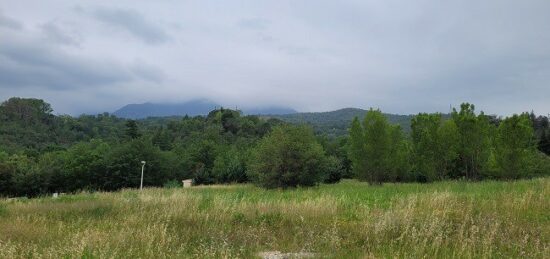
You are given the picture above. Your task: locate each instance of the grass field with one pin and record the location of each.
(350, 219)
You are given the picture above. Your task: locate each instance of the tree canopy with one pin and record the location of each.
(43, 153)
(289, 156)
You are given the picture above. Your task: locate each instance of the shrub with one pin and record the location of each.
(515, 147)
(229, 167)
(172, 184)
(377, 149)
(335, 170)
(288, 157)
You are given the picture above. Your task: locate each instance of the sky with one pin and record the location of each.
(403, 57)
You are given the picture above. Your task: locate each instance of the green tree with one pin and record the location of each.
(132, 131)
(85, 166)
(27, 180)
(6, 175)
(357, 148)
(229, 167)
(434, 144)
(289, 156)
(399, 156)
(124, 165)
(162, 139)
(544, 142)
(448, 146)
(474, 143)
(372, 147)
(199, 158)
(27, 110)
(424, 131)
(378, 146)
(515, 147)
(335, 170)
(50, 167)
(337, 150)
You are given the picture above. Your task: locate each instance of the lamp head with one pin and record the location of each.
(143, 162)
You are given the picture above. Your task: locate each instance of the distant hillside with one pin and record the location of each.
(269, 111)
(336, 123)
(191, 108)
(144, 110)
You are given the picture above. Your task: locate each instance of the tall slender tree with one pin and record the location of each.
(514, 146)
(132, 129)
(474, 141)
(544, 142)
(357, 148)
(371, 147)
(434, 146)
(425, 141)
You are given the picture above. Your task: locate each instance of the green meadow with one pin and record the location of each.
(451, 219)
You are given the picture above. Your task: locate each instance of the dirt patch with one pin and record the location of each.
(279, 255)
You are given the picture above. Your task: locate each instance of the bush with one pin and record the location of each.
(229, 167)
(124, 165)
(377, 149)
(172, 184)
(288, 157)
(515, 147)
(540, 164)
(335, 170)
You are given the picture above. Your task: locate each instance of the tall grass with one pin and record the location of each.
(446, 220)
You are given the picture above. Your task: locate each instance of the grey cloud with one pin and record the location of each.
(134, 23)
(25, 64)
(511, 77)
(148, 72)
(401, 56)
(258, 24)
(266, 38)
(297, 51)
(57, 34)
(9, 22)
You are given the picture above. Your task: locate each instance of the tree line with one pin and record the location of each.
(466, 146)
(43, 153)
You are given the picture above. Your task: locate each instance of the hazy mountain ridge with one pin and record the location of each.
(332, 123)
(336, 123)
(190, 108)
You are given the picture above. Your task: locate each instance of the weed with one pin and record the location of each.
(453, 219)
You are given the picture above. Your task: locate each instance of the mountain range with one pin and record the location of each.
(332, 123)
(190, 108)
(336, 123)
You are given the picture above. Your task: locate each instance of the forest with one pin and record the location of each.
(43, 153)
(336, 123)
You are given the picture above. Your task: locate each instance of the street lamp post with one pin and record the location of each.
(142, 168)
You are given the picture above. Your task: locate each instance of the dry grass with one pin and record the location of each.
(350, 219)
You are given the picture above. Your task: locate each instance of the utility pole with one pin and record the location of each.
(142, 168)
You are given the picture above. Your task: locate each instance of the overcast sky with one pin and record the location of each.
(401, 56)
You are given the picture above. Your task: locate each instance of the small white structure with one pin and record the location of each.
(55, 195)
(187, 183)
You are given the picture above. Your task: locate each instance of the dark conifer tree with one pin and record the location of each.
(132, 129)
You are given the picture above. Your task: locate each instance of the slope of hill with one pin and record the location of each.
(336, 123)
(268, 110)
(144, 110)
(190, 108)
